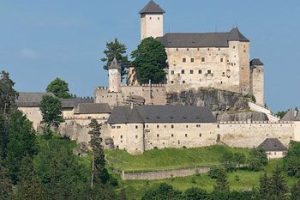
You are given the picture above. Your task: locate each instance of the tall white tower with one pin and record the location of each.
(152, 21)
(114, 76)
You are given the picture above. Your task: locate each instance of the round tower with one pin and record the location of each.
(114, 76)
(152, 21)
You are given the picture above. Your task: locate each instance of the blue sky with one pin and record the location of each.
(42, 39)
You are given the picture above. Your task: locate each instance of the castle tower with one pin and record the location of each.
(152, 21)
(257, 81)
(114, 76)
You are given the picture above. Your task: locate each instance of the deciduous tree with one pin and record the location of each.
(59, 88)
(150, 61)
(51, 109)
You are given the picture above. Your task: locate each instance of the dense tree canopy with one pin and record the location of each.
(51, 109)
(292, 160)
(115, 49)
(59, 88)
(150, 61)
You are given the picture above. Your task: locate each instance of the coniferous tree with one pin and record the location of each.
(29, 186)
(278, 184)
(116, 49)
(264, 187)
(5, 183)
(21, 143)
(99, 172)
(295, 192)
(222, 184)
(8, 95)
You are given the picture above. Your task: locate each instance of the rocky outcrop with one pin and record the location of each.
(242, 116)
(215, 100)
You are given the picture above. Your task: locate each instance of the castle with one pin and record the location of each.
(195, 60)
(141, 119)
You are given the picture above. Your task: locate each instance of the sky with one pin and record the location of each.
(42, 39)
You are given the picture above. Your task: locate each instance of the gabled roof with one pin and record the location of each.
(161, 114)
(114, 64)
(291, 115)
(201, 40)
(256, 62)
(152, 8)
(31, 99)
(73, 102)
(272, 144)
(92, 108)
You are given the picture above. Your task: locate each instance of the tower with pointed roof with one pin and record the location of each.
(152, 20)
(114, 76)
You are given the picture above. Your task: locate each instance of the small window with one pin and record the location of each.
(172, 82)
(209, 71)
(172, 135)
(172, 126)
(192, 60)
(157, 135)
(199, 71)
(222, 59)
(172, 72)
(208, 49)
(186, 135)
(200, 135)
(223, 74)
(121, 136)
(183, 82)
(187, 49)
(198, 49)
(157, 126)
(150, 18)
(184, 60)
(158, 18)
(233, 47)
(187, 126)
(176, 49)
(203, 59)
(136, 137)
(182, 71)
(136, 127)
(191, 71)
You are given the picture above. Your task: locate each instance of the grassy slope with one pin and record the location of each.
(239, 180)
(168, 158)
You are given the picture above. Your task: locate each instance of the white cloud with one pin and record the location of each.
(29, 53)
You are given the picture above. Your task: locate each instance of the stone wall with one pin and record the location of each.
(34, 114)
(257, 84)
(151, 25)
(163, 174)
(154, 94)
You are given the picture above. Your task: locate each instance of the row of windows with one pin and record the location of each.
(184, 60)
(172, 126)
(192, 71)
(208, 49)
(157, 18)
(185, 135)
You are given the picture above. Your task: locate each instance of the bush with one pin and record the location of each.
(163, 191)
(215, 172)
(258, 159)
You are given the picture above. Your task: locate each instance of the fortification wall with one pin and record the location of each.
(34, 114)
(249, 135)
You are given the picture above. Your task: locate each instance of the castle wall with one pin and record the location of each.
(34, 114)
(193, 68)
(297, 131)
(257, 85)
(151, 25)
(190, 135)
(244, 65)
(156, 95)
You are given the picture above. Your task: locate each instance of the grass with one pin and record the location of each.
(238, 180)
(168, 158)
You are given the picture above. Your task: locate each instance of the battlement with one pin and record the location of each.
(256, 122)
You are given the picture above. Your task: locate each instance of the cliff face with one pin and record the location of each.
(227, 106)
(215, 100)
